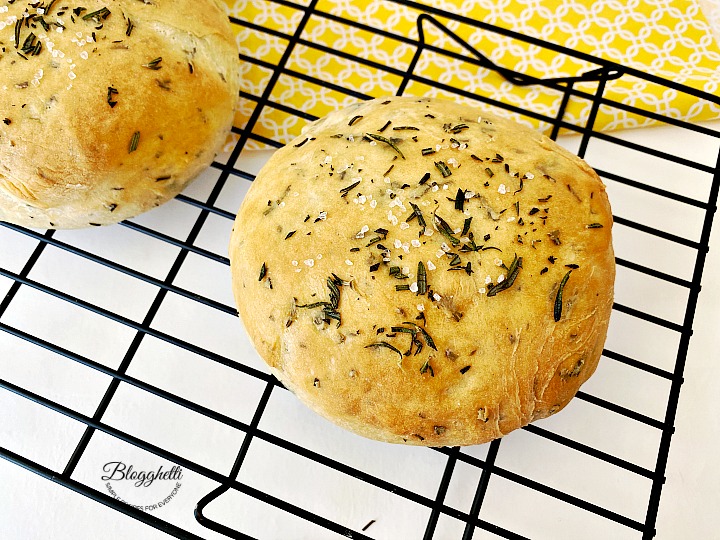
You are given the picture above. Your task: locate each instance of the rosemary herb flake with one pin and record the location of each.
(443, 168)
(134, 141)
(387, 141)
(557, 311)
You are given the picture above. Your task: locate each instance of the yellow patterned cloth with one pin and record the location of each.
(671, 39)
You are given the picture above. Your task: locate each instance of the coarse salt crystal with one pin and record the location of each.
(84, 55)
(529, 176)
(397, 244)
(498, 262)
(415, 243)
(488, 280)
(414, 286)
(431, 266)
(362, 232)
(404, 225)
(501, 278)
(362, 199)
(428, 232)
(373, 203)
(445, 247)
(348, 262)
(421, 307)
(481, 290)
(437, 297)
(510, 219)
(502, 189)
(309, 262)
(294, 263)
(327, 160)
(439, 253)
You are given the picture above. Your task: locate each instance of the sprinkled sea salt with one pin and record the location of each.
(309, 262)
(414, 286)
(431, 266)
(348, 262)
(502, 189)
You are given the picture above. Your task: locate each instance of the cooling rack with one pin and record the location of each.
(154, 364)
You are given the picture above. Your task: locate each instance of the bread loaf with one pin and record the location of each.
(109, 108)
(422, 272)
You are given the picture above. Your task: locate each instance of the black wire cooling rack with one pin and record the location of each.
(192, 240)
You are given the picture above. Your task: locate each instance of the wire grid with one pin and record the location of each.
(487, 466)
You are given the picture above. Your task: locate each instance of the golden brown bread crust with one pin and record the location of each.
(334, 223)
(93, 127)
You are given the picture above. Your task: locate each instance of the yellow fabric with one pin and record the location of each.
(668, 38)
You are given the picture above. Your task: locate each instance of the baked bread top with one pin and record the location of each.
(420, 271)
(109, 108)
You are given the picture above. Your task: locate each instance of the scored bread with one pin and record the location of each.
(420, 271)
(109, 108)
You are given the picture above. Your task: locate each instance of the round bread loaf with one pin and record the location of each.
(422, 272)
(109, 108)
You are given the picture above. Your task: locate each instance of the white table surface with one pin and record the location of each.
(34, 508)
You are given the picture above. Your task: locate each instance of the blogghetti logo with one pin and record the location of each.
(147, 488)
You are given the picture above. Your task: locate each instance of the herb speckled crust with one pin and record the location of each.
(438, 276)
(109, 108)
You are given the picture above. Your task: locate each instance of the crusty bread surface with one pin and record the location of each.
(109, 108)
(419, 271)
